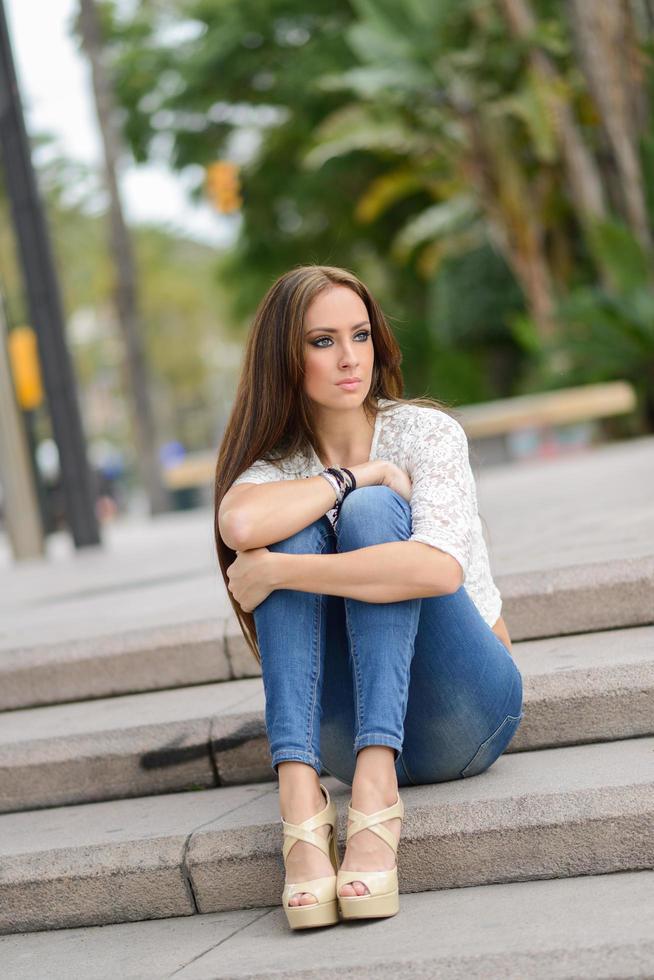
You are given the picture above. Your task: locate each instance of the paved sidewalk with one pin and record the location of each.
(587, 927)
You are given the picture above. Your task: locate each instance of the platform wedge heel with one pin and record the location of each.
(383, 897)
(323, 912)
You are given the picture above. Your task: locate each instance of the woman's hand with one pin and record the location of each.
(397, 479)
(381, 472)
(251, 578)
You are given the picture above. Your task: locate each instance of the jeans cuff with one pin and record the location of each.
(373, 739)
(293, 755)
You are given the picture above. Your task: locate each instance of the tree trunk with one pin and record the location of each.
(584, 180)
(143, 423)
(513, 222)
(606, 40)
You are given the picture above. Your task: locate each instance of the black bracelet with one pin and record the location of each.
(350, 484)
(351, 476)
(336, 472)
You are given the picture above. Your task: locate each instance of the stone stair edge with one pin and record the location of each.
(543, 605)
(532, 585)
(119, 641)
(187, 741)
(137, 661)
(611, 681)
(562, 812)
(605, 930)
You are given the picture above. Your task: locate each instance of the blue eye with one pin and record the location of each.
(317, 343)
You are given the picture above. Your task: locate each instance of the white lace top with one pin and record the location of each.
(432, 448)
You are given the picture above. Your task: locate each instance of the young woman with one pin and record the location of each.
(349, 539)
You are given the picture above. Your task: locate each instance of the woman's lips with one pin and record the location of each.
(348, 385)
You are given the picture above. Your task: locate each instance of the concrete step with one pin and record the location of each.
(578, 810)
(552, 929)
(135, 745)
(99, 656)
(153, 658)
(592, 687)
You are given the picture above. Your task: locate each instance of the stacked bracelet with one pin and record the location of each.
(333, 482)
(342, 482)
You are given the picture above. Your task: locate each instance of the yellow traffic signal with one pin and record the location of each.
(25, 367)
(223, 186)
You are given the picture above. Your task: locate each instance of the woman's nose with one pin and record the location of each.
(349, 355)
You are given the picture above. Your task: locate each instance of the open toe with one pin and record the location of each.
(322, 909)
(382, 896)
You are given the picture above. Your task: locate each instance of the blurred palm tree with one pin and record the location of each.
(137, 382)
(483, 107)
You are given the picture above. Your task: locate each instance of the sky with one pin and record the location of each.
(55, 87)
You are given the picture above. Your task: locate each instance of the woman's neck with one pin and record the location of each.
(345, 438)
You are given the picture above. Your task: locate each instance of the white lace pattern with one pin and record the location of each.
(432, 448)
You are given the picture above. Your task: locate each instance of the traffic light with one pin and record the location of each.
(223, 186)
(25, 368)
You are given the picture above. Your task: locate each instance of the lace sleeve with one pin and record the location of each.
(261, 471)
(443, 498)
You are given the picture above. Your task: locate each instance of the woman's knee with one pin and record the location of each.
(370, 515)
(312, 539)
(373, 498)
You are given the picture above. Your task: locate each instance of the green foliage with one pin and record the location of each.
(610, 329)
(610, 335)
(529, 104)
(398, 137)
(441, 221)
(265, 64)
(607, 331)
(618, 255)
(525, 332)
(473, 295)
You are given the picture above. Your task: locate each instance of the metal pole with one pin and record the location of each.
(44, 303)
(20, 503)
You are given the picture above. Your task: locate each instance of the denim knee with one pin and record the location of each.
(308, 540)
(372, 512)
(373, 498)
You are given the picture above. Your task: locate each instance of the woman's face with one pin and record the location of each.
(338, 345)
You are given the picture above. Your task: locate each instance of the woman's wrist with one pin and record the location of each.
(369, 474)
(275, 570)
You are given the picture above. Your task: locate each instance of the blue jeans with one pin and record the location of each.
(426, 676)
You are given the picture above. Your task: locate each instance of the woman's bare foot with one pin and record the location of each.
(374, 787)
(300, 797)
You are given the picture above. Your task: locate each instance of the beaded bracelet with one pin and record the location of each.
(333, 482)
(339, 476)
(342, 481)
(351, 476)
(351, 484)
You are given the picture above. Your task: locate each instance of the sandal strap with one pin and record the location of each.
(294, 833)
(306, 831)
(369, 821)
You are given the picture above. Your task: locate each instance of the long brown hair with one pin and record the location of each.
(271, 413)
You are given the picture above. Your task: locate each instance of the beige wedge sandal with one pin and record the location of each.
(323, 912)
(383, 898)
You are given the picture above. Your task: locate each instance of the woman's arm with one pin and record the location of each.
(387, 572)
(500, 630)
(255, 515)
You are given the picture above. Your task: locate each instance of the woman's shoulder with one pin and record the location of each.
(420, 420)
(274, 466)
